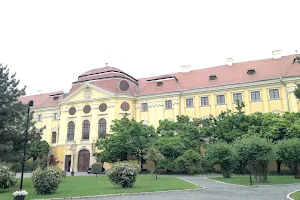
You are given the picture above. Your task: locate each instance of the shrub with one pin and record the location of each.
(123, 174)
(96, 168)
(190, 162)
(221, 153)
(7, 177)
(46, 181)
(62, 173)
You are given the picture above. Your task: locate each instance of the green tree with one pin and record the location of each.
(154, 155)
(258, 153)
(288, 151)
(223, 154)
(13, 119)
(190, 162)
(96, 168)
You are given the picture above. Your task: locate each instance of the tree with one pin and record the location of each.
(96, 168)
(13, 119)
(288, 151)
(221, 153)
(154, 155)
(258, 153)
(190, 162)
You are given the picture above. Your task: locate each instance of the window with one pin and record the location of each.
(274, 94)
(168, 104)
(72, 111)
(255, 96)
(251, 71)
(86, 109)
(189, 102)
(40, 118)
(85, 130)
(101, 127)
(53, 140)
(158, 84)
(204, 101)
(144, 107)
(212, 77)
(220, 99)
(55, 116)
(71, 130)
(125, 106)
(237, 96)
(102, 107)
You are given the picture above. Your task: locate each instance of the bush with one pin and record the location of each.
(221, 153)
(123, 174)
(96, 168)
(190, 162)
(7, 177)
(62, 173)
(46, 181)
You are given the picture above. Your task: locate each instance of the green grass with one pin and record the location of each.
(296, 196)
(90, 185)
(244, 180)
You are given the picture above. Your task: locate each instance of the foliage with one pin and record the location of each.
(288, 151)
(297, 91)
(13, 116)
(46, 181)
(96, 168)
(223, 154)
(190, 162)
(258, 153)
(154, 155)
(123, 174)
(7, 177)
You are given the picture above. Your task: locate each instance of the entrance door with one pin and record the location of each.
(83, 160)
(67, 163)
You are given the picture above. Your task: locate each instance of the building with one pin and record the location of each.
(75, 120)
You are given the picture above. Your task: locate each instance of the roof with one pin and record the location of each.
(108, 78)
(43, 100)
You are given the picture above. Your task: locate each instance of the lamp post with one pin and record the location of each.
(73, 149)
(30, 103)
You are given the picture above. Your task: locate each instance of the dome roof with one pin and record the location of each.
(100, 70)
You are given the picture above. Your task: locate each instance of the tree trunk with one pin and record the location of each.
(278, 167)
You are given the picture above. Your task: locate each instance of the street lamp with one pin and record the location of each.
(30, 103)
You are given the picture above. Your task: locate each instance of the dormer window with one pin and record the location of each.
(212, 77)
(251, 71)
(160, 83)
(55, 97)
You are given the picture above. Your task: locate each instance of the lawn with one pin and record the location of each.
(90, 185)
(244, 180)
(295, 196)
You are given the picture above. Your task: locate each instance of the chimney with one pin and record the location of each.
(276, 54)
(229, 61)
(66, 92)
(186, 68)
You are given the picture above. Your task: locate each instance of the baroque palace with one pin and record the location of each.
(75, 120)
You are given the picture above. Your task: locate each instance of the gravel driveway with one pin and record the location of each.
(215, 191)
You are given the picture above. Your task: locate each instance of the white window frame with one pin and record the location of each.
(237, 93)
(270, 95)
(255, 95)
(224, 99)
(188, 98)
(143, 107)
(207, 100)
(166, 104)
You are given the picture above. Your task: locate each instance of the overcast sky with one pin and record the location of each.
(50, 43)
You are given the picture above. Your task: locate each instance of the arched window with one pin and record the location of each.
(53, 140)
(71, 130)
(85, 130)
(101, 127)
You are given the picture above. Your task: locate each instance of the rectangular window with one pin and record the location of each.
(237, 96)
(221, 99)
(168, 104)
(189, 103)
(55, 116)
(204, 101)
(40, 118)
(144, 107)
(255, 96)
(274, 94)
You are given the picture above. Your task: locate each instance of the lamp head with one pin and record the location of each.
(30, 103)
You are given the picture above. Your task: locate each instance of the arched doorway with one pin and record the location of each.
(83, 160)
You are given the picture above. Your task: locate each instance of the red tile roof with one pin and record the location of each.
(237, 73)
(42, 100)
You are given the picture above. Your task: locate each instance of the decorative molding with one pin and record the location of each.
(95, 106)
(111, 105)
(175, 102)
(78, 108)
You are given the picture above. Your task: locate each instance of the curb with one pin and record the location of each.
(288, 195)
(128, 194)
(225, 183)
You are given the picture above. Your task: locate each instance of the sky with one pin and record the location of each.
(50, 43)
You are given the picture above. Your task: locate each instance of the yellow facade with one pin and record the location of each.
(156, 111)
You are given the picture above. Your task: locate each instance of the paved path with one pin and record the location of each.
(216, 191)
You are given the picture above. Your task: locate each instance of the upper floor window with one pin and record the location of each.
(274, 94)
(85, 130)
(189, 102)
(221, 99)
(55, 116)
(53, 140)
(101, 127)
(237, 96)
(71, 130)
(168, 104)
(255, 96)
(144, 107)
(40, 118)
(204, 101)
